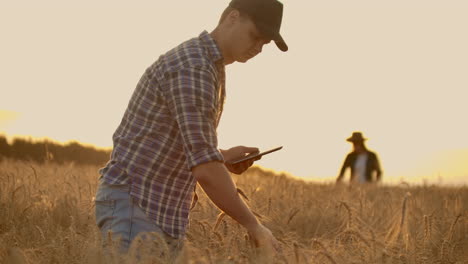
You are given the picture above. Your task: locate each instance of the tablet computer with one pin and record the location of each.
(253, 156)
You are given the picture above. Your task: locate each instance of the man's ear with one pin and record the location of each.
(233, 16)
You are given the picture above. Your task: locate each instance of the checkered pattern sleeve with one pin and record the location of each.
(191, 95)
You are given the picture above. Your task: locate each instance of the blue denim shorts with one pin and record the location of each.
(121, 219)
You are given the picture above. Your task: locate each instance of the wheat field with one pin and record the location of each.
(47, 216)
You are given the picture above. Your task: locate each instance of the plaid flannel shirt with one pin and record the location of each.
(168, 128)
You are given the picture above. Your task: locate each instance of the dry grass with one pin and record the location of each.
(47, 216)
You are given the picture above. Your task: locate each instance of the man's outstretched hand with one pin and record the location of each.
(264, 240)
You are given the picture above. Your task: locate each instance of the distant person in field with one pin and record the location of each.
(166, 142)
(363, 164)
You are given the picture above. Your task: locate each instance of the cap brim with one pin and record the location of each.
(279, 41)
(356, 139)
(275, 36)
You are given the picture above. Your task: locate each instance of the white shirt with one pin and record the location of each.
(360, 168)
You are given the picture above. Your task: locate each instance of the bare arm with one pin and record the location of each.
(343, 169)
(217, 183)
(377, 168)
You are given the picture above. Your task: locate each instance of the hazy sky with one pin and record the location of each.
(395, 70)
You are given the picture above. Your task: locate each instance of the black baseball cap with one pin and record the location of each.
(267, 16)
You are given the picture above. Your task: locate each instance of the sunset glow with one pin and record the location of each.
(394, 70)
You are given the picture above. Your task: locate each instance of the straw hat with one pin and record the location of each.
(356, 137)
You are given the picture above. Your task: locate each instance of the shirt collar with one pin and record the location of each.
(211, 46)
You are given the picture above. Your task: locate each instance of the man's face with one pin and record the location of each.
(358, 146)
(247, 41)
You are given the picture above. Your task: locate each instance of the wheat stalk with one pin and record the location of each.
(219, 236)
(452, 227)
(269, 206)
(218, 220)
(403, 210)
(443, 251)
(426, 228)
(242, 193)
(296, 252)
(348, 209)
(403, 216)
(292, 214)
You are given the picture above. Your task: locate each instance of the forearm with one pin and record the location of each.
(225, 154)
(379, 175)
(341, 174)
(217, 183)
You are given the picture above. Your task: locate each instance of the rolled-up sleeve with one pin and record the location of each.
(191, 96)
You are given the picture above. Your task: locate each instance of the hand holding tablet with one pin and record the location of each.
(253, 156)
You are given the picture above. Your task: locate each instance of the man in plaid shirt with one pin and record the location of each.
(167, 142)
